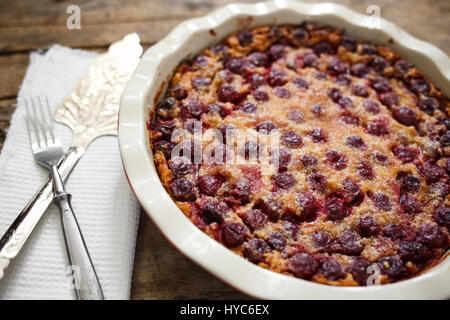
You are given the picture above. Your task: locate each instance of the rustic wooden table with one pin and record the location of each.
(160, 272)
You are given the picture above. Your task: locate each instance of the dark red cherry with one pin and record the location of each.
(233, 234)
(303, 265)
(254, 219)
(183, 189)
(254, 250)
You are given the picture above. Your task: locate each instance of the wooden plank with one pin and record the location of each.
(21, 39)
(32, 37)
(7, 107)
(13, 68)
(50, 12)
(161, 272)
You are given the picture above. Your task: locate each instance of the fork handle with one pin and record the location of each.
(87, 286)
(20, 230)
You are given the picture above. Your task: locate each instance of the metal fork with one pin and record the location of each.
(48, 152)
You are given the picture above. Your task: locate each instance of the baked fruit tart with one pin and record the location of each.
(309, 154)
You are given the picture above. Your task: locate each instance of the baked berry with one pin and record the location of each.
(245, 37)
(307, 206)
(277, 77)
(432, 236)
(281, 159)
(442, 216)
(392, 267)
(359, 70)
(343, 79)
(291, 139)
(409, 204)
(352, 194)
(276, 241)
(200, 61)
(334, 94)
(323, 239)
(430, 171)
(233, 234)
(345, 102)
(348, 118)
(301, 83)
(318, 135)
(254, 250)
(213, 211)
(257, 80)
(303, 265)
(405, 116)
(248, 107)
(408, 182)
(183, 189)
(271, 207)
(277, 51)
(296, 116)
(323, 47)
(260, 95)
(336, 159)
(181, 166)
(284, 180)
(282, 92)
(254, 219)
(319, 75)
(309, 59)
(381, 201)
(381, 85)
(401, 67)
(379, 64)
(367, 48)
(336, 66)
(404, 153)
(389, 98)
(236, 65)
(394, 231)
(368, 226)
(179, 92)
(317, 181)
(266, 127)
(428, 105)
(365, 170)
(349, 243)
(371, 106)
(335, 210)
(360, 270)
(209, 184)
(331, 269)
(360, 90)
(355, 141)
(308, 160)
(349, 43)
(200, 82)
(415, 252)
(166, 128)
(228, 93)
(241, 190)
(377, 127)
(165, 147)
(420, 86)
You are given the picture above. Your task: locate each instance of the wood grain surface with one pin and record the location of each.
(160, 271)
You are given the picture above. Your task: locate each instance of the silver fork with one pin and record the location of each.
(48, 152)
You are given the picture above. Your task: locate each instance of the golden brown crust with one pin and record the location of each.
(365, 187)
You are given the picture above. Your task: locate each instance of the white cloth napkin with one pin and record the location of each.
(106, 209)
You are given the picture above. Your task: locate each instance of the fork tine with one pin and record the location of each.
(50, 121)
(32, 132)
(40, 132)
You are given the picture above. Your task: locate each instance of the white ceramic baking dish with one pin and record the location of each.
(189, 38)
